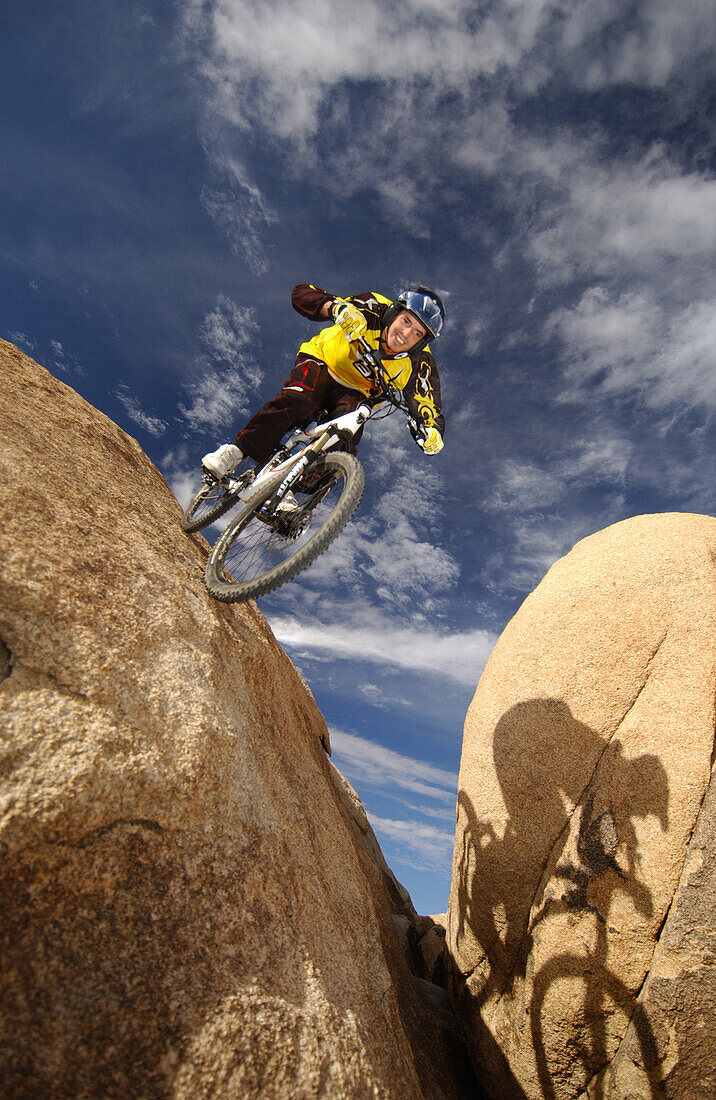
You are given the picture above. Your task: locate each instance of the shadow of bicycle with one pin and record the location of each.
(561, 866)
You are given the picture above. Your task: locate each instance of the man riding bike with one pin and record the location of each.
(325, 378)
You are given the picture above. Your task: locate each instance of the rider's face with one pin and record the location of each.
(404, 333)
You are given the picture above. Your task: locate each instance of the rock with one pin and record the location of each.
(433, 950)
(186, 909)
(581, 914)
(415, 935)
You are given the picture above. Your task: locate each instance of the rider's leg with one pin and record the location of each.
(302, 395)
(339, 400)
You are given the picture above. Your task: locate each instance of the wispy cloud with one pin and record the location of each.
(23, 341)
(376, 767)
(521, 486)
(631, 343)
(457, 655)
(415, 843)
(238, 206)
(179, 467)
(294, 58)
(421, 789)
(392, 548)
(65, 360)
(228, 375)
(227, 331)
(152, 424)
(635, 215)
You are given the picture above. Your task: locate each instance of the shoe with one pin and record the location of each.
(223, 460)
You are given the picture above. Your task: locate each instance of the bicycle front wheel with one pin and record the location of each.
(262, 549)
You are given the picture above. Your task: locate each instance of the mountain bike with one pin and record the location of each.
(297, 503)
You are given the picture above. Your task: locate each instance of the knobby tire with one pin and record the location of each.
(193, 520)
(229, 589)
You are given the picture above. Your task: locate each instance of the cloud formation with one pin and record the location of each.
(457, 655)
(374, 766)
(152, 424)
(379, 773)
(228, 376)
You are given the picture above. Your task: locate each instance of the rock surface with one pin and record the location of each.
(581, 915)
(187, 912)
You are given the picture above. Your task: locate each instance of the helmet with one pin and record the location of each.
(425, 304)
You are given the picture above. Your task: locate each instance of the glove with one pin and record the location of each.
(432, 441)
(349, 318)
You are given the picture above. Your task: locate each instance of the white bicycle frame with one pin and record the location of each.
(317, 439)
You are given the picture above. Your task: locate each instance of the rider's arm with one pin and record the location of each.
(315, 303)
(423, 393)
(312, 302)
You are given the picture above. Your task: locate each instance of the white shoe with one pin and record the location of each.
(223, 460)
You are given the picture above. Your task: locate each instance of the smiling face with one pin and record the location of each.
(404, 333)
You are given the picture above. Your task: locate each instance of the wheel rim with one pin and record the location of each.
(207, 500)
(265, 542)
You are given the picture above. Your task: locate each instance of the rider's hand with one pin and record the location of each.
(349, 318)
(432, 441)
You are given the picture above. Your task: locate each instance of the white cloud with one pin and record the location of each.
(378, 773)
(227, 331)
(238, 206)
(183, 476)
(376, 767)
(392, 550)
(65, 360)
(221, 393)
(279, 63)
(659, 41)
(536, 542)
(419, 844)
(457, 655)
(521, 486)
(24, 341)
(378, 698)
(286, 68)
(632, 343)
(473, 336)
(627, 218)
(152, 424)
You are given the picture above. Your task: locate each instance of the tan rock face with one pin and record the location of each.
(581, 915)
(186, 911)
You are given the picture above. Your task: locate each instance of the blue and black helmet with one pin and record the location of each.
(425, 304)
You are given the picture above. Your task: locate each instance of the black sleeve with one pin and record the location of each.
(423, 393)
(309, 300)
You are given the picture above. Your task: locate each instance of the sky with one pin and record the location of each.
(171, 170)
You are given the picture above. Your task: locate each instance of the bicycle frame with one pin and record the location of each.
(317, 439)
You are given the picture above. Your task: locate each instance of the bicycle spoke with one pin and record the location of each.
(262, 544)
(268, 543)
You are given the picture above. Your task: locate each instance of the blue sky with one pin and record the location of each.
(170, 170)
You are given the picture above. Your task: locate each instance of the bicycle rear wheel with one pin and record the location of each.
(262, 549)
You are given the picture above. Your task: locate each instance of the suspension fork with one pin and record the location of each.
(308, 458)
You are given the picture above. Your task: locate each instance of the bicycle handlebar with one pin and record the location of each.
(371, 356)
